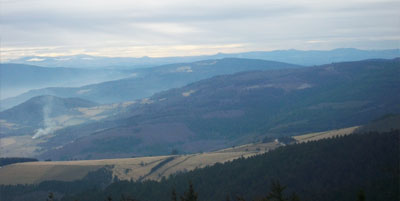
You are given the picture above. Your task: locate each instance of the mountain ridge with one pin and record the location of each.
(224, 111)
(227, 109)
(145, 82)
(19, 78)
(300, 57)
(39, 112)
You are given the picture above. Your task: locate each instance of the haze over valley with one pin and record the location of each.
(193, 101)
(204, 115)
(208, 107)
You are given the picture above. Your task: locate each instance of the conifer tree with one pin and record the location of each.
(240, 198)
(190, 194)
(50, 197)
(173, 195)
(276, 193)
(294, 197)
(361, 196)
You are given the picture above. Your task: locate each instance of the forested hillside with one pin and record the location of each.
(331, 169)
(12, 160)
(236, 109)
(144, 82)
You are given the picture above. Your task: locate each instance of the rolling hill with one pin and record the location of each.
(145, 82)
(144, 168)
(19, 78)
(40, 112)
(26, 125)
(123, 67)
(385, 123)
(234, 109)
(333, 169)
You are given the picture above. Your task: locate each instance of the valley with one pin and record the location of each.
(199, 100)
(207, 115)
(230, 113)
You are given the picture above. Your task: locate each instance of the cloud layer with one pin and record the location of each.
(186, 27)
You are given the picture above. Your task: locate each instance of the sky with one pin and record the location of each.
(136, 28)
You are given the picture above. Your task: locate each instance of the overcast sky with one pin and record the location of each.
(158, 28)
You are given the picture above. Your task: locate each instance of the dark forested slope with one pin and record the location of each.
(330, 169)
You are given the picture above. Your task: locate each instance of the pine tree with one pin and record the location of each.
(50, 197)
(361, 196)
(189, 195)
(294, 197)
(240, 198)
(276, 193)
(173, 195)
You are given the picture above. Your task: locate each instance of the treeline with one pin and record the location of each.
(276, 194)
(12, 160)
(329, 170)
(98, 179)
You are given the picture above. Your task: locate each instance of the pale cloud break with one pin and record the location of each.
(184, 27)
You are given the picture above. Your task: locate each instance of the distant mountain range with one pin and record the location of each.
(140, 84)
(19, 78)
(312, 57)
(234, 109)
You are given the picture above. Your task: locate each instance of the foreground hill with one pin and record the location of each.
(146, 168)
(330, 169)
(145, 82)
(334, 169)
(244, 107)
(137, 169)
(385, 123)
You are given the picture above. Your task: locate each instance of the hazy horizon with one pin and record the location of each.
(188, 28)
(38, 58)
(134, 100)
